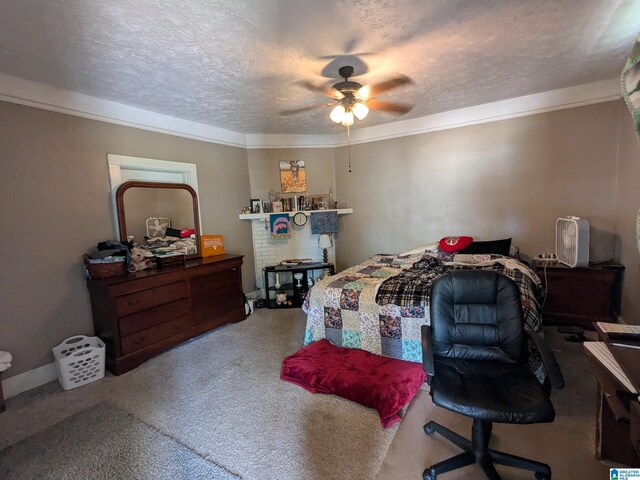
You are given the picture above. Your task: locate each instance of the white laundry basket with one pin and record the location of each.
(79, 360)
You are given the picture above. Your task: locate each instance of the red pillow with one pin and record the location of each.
(454, 244)
(386, 384)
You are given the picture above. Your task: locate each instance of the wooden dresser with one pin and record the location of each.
(581, 296)
(142, 314)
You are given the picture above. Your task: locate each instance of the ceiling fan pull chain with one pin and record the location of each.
(349, 147)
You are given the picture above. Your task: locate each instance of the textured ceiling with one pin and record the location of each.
(232, 63)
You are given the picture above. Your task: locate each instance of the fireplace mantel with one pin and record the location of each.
(271, 251)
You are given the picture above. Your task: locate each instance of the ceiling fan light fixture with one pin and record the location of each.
(352, 99)
(363, 93)
(337, 114)
(347, 121)
(360, 110)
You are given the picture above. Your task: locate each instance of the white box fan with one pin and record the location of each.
(572, 241)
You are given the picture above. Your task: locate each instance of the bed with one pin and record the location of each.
(380, 304)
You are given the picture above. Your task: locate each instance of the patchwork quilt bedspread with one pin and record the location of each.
(380, 305)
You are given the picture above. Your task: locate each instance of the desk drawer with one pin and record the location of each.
(138, 301)
(153, 316)
(144, 338)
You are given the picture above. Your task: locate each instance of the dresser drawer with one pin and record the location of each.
(153, 316)
(581, 296)
(144, 338)
(142, 314)
(213, 281)
(217, 305)
(586, 295)
(138, 301)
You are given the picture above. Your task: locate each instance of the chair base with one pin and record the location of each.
(477, 451)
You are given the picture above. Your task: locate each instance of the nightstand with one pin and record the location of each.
(581, 296)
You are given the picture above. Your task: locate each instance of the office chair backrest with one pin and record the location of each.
(477, 315)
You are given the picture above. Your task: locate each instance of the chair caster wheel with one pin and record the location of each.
(428, 430)
(427, 476)
(542, 476)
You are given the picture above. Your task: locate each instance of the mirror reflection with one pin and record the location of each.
(148, 209)
(160, 220)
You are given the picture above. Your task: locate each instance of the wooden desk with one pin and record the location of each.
(618, 409)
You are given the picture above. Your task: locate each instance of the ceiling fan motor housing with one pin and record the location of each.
(347, 88)
(346, 71)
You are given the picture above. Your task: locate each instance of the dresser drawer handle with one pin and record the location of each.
(234, 269)
(133, 303)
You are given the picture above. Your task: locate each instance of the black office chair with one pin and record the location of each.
(475, 356)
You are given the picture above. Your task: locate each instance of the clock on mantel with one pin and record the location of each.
(300, 218)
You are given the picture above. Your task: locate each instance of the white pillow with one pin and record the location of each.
(429, 247)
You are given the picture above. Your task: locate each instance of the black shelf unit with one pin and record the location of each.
(289, 285)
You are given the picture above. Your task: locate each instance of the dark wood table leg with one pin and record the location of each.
(2, 406)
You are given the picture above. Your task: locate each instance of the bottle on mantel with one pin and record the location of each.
(331, 203)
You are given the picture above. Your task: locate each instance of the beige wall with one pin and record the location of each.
(54, 192)
(627, 204)
(510, 178)
(264, 169)
(504, 179)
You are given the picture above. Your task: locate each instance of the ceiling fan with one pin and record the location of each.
(353, 99)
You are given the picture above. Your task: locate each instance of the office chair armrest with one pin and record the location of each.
(556, 380)
(427, 353)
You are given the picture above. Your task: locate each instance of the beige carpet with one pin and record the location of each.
(104, 443)
(220, 395)
(567, 444)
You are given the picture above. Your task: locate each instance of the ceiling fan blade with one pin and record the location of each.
(375, 104)
(326, 91)
(294, 111)
(389, 84)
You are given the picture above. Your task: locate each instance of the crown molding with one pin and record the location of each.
(570, 97)
(33, 94)
(25, 92)
(276, 140)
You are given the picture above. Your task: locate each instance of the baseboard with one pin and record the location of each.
(22, 382)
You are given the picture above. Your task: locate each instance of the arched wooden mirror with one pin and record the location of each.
(154, 213)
